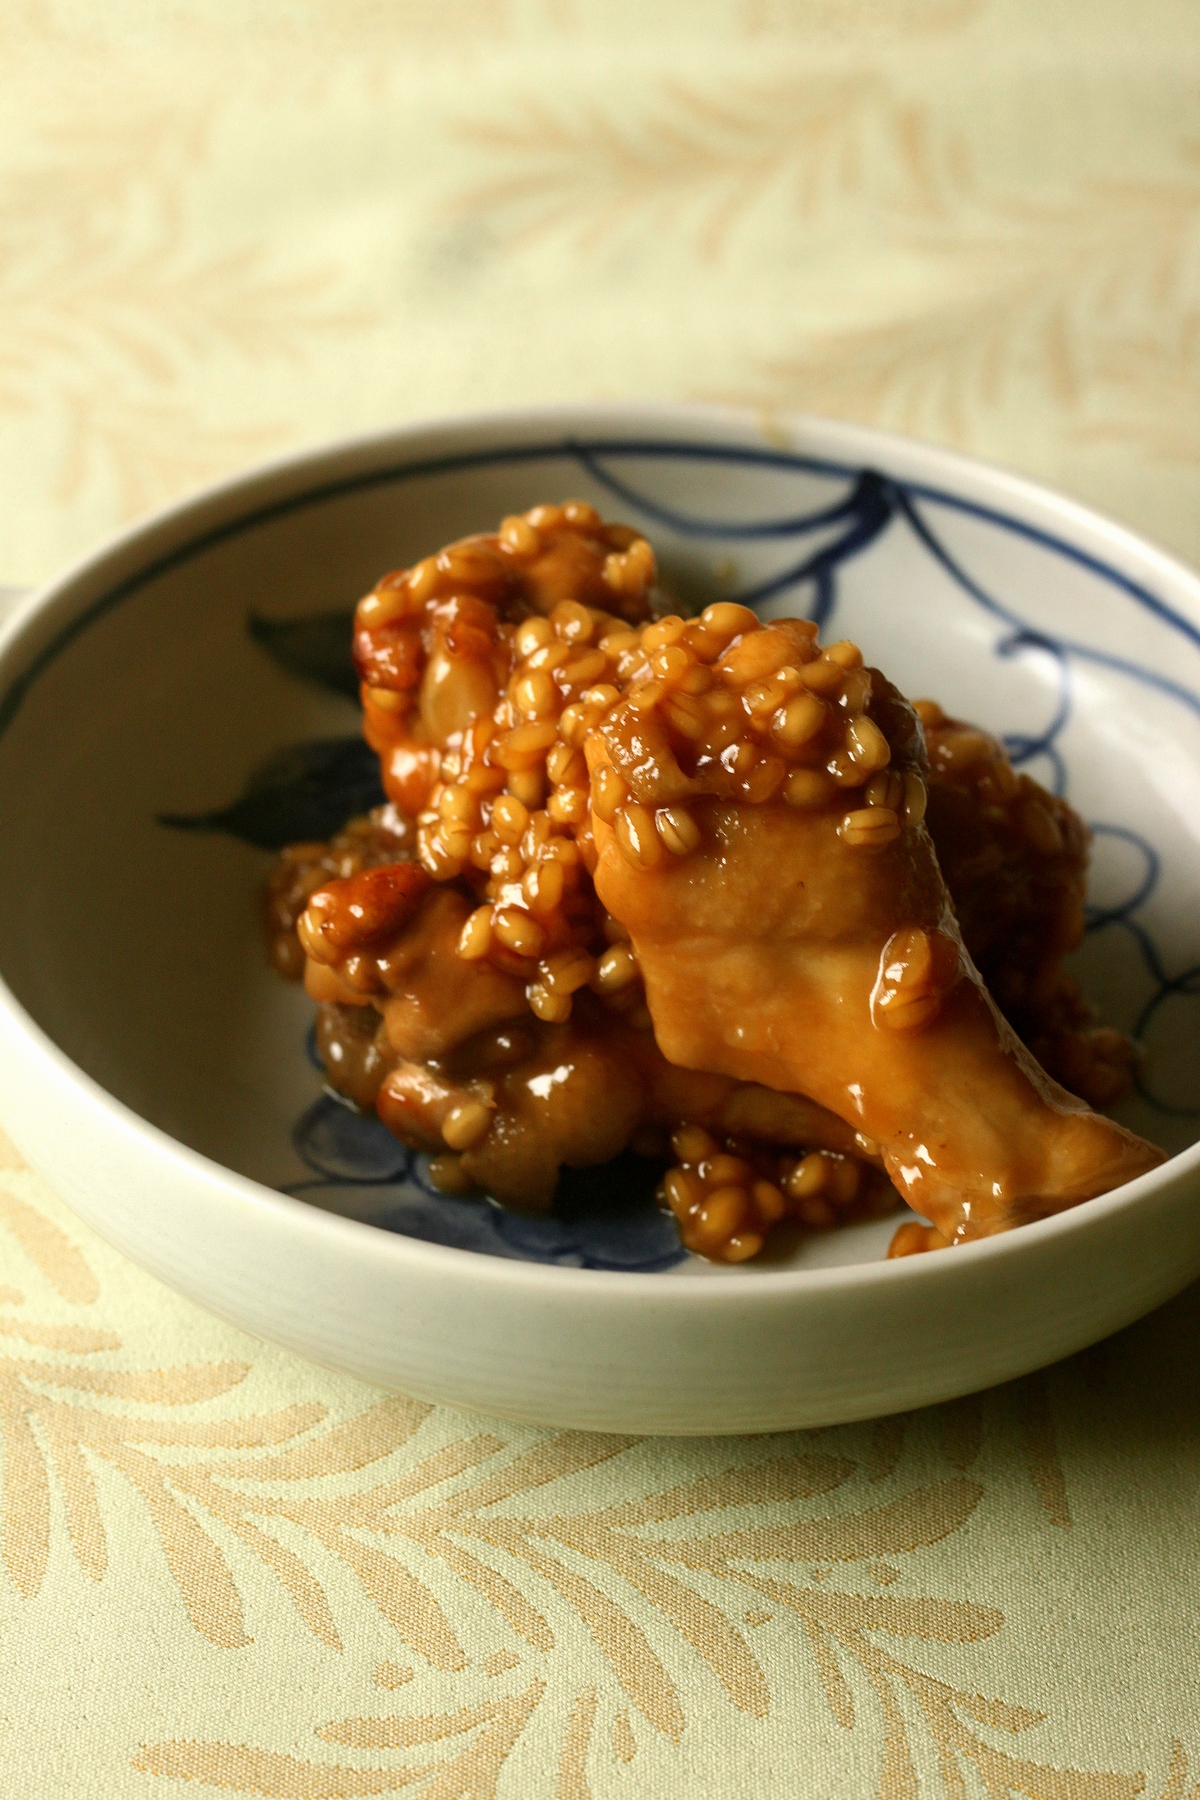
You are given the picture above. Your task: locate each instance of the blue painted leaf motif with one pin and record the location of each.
(611, 1217)
(642, 1241)
(603, 1218)
(316, 648)
(345, 1145)
(410, 1212)
(304, 792)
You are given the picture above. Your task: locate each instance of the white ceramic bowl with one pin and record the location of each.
(155, 1070)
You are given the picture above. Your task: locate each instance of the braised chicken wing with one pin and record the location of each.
(449, 1054)
(1014, 859)
(670, 883)
(793, 927)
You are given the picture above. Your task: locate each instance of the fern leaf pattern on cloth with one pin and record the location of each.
(478, 1607)
(225, 237)
(232, 232)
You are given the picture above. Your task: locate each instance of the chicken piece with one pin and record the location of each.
(717, 808)
(427, 643)
(793, 928)
(452, 1059)
(1014, 858)
(578, 1094)
(388, 936)
(383, 836)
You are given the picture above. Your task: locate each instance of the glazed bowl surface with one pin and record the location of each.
(181, 703)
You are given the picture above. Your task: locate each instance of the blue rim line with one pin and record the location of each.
(582, 451)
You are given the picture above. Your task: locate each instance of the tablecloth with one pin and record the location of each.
(228, 230)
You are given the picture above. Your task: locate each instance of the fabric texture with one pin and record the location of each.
(228, 231)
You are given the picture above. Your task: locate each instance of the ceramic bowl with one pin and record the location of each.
(181, 703)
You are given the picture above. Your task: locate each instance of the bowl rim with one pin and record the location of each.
(139, 553)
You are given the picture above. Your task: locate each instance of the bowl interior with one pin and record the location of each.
(201, 715)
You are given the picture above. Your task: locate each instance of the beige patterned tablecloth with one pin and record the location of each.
(234, 227)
